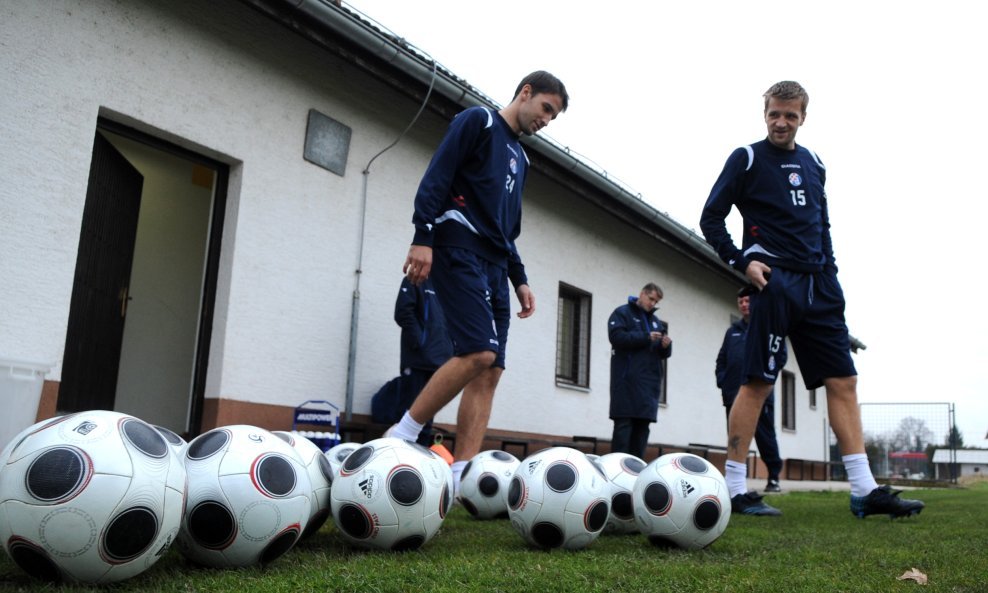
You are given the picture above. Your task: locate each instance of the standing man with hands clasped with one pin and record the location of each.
(639, 344)
(467, 218)
(787, 254)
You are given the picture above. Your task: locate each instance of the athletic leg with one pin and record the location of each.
(768, 445)
(639, 437)
(621, 437)
(475, 412)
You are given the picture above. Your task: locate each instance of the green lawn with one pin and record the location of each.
(816, 546)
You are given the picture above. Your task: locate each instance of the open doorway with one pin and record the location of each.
(141, 315)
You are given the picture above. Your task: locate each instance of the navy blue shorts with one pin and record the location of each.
(809, 309)
(476, 301)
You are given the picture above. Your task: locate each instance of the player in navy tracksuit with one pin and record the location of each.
(467, 217)
(786, 252)
(639, 344)
(729, 368)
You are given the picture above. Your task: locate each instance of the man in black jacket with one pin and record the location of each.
(639, 344)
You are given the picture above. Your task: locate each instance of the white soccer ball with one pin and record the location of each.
(558, 499)
(622, 471)
(484, 483)
(320, 475)
(338, 454)
(92, 497)
(391, 494)
(176, 442)
(681, 499)
(248, 498)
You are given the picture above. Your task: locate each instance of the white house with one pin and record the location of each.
(966, 462)
(199, 227)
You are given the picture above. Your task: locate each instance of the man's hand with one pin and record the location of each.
(527, 300)
(418, 264)
(758, 272)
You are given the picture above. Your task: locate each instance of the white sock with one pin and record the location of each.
(407, 428)
(736, 476)
(457, 468)
(859, 474)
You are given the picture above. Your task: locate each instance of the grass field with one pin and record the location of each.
(816, 546)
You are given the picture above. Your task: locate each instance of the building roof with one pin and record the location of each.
(975, 456)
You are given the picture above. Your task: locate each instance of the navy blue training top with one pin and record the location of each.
(470, 195)
(780, 194)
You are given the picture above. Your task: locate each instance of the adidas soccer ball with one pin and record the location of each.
(558, 499)
(391, 494)
(92, 497)
(622, 471)
(320, 475)
(177, 443)
(248, 498)
(337, 455)
(681, 499)
(484, 483)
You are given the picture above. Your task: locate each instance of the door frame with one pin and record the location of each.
(213, 252)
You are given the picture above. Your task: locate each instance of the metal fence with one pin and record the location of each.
(901, 438)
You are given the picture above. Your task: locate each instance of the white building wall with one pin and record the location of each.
(220, 79)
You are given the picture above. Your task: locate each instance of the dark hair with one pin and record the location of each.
(652, 287)
(543, 82)
(786, 91)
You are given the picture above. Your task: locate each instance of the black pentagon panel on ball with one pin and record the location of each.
(405, 486)
(547, 535)
(445, 502)
(33, 560)
(656, 498)
(622, 505)
(129, 534)
(693, 464)
(560, 477)
(514, 493)
(488, 485)
(466, 470)
(354, 521)
(212, 525)
(145, 438)
(315, 523)
(278, 546)
(470, 507)
(58, 474)
(325, 468)
(170, 435)
(632, 465)
(412, 542)
(596, 516)
(706, 514)
(275, 475)
(502, 456)
(357, 459)
(208, 444)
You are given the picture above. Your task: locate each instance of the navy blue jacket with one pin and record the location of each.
(729, 368)
(780, 195)
(636, 362)
(470, 195)
(425, 344)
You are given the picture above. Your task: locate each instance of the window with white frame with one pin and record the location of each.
(573, 337)
(788, 400)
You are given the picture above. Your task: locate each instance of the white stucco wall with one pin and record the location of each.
(222, 80)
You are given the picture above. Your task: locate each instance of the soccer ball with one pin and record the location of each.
(248, 498)
(622, 471)
(558, 498)
(391, 494)
(176, 442)
(92, 497)
(681, 499)
(320, 475)
(484, 483)
(337, 455)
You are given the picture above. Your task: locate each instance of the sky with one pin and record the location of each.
(661, 92)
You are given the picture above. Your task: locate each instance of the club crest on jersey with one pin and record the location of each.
(795, 180)
(513, 165)
(771, 362)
